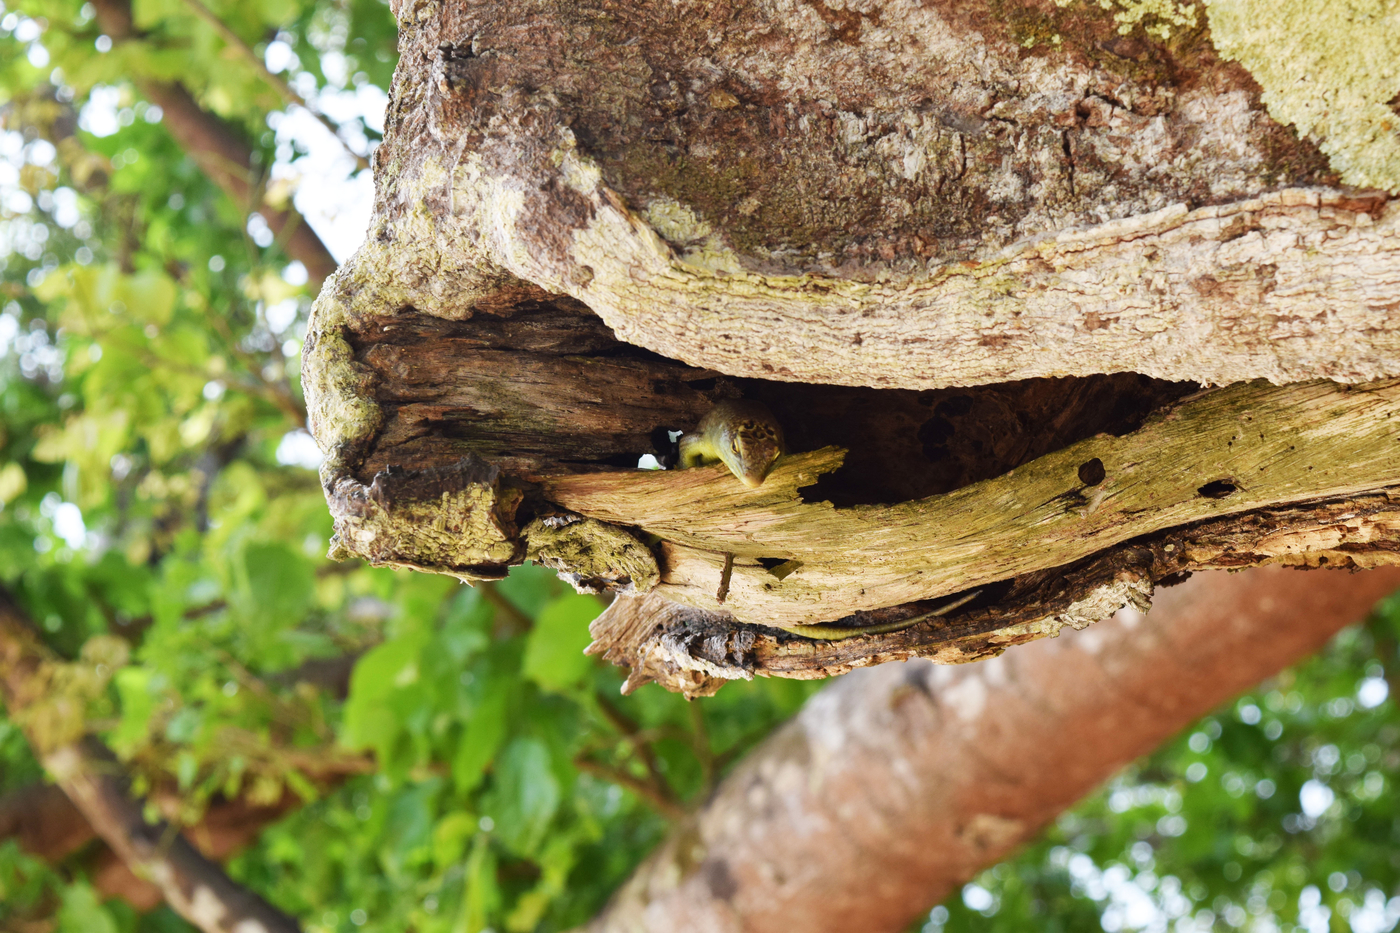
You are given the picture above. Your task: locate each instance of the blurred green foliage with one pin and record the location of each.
(160, 520)
(162, 523)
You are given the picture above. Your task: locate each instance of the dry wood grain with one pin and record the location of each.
(1223, 452)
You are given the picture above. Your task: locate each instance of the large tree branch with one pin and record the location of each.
(940, 195)
(197, 888)
(895, 785)
(1220, 453)
(1287, 286)
(221, 152)
(951, 210)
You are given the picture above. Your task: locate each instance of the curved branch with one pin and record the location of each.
(899, 784)
(1223, 452)
(963, 216)
(1292, 285)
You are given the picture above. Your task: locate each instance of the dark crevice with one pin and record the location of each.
(545, 387)
(1218, 489)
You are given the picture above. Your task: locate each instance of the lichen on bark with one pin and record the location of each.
(789, 203)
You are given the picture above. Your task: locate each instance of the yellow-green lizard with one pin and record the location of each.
(744, 436)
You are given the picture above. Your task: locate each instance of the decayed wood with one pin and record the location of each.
(546, 388)
(457, 519)
(1224, 452)
(978, 196)
(1287, 286)
(946, 194)
(922, 204)
(695, 651)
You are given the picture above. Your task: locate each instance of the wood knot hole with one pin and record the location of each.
(1092, 472)
(1218, 489)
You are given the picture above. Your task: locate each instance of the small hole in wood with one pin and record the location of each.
(778, 566)
(1092, 472)
(1218, 489)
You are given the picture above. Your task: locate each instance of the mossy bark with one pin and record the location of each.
(592, 224)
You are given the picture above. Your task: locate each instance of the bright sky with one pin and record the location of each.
(334, 198)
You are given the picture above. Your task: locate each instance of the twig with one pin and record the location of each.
(515, 621)
(660, 801)
(641, 746)
(700, 745)
(724, 576)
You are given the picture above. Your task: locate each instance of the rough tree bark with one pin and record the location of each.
(1083, 210)
(895, 786)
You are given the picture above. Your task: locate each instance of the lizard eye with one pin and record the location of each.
(734, 446)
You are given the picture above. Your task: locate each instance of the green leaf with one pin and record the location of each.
(450, 838)
(554, 656)
(276, 587)
(138, 705)
(150, 296)
(409, 830)
(524, 796)
(369, 720)
(529, 587)
(81, 912)
(12, 482)
(483, 898)
(483, 736)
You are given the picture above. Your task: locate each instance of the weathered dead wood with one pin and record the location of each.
(1222, 293)
(694, 651)
(457, 519)
(944, 194)
(1223, 452)
(941, 207)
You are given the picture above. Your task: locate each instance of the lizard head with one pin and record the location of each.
(750, 447)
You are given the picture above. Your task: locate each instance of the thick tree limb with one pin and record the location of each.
(950, 209)
(937, 194)
(894, 786)
(1287, 286)
(694, 651)
(1220, 453)
(195, 887)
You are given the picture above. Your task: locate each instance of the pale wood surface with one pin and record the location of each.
(1253, 445)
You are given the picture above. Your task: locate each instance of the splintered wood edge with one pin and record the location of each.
(695, 652)
(1223, 452)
